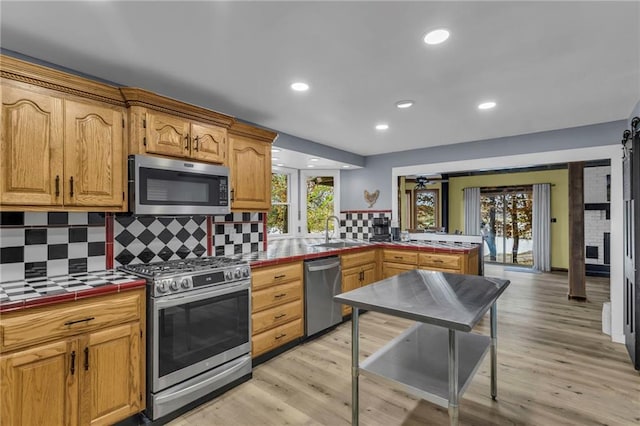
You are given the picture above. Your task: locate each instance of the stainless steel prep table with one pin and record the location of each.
(431, 359)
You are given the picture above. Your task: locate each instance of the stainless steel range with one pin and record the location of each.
(198, 329)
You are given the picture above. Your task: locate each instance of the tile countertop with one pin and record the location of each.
(294, 249)
(16, 295)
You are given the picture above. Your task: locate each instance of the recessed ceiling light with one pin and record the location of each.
(300, 86)
(274, 159)
(404, 104)
(275, 150)
(345, 167)
(487, 105)
(313, 159)
(382, 126)
(279, 164)
(310, 165)
(436, 36)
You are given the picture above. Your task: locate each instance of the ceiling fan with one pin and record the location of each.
(423, 181)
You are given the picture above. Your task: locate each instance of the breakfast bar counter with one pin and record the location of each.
(437, 357)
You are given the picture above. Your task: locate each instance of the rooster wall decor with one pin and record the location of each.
(371, 197)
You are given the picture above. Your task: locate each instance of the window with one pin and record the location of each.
(281, 218)
(426, 208)
(321, 194)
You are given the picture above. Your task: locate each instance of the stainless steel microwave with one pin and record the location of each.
(162, 186)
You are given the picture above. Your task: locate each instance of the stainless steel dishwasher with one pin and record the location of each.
(322, 281)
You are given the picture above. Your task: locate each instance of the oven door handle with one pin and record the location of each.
(240, 363)
(180, 299)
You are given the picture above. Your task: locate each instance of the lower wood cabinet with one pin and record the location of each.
(277, 308)
(389, 269)
(92, 376)
(398, 261)
(358, 269)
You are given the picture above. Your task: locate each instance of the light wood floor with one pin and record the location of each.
(555, 367)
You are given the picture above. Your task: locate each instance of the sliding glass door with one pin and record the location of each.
(506, 214)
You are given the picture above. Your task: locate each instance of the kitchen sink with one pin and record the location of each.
(338, 244)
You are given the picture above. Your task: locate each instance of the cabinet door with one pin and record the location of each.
(110, 363)
(350, 281)
(40, 386)
(167, 135)
(94, 163)
(250, 164)
(369, 275)
(208, 143)
(30, 148)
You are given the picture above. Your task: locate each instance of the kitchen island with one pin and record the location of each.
(432, 359)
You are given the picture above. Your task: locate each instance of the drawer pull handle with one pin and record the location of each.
(398, 257)
(77, 321)
(278, 296)
(57, 185)
(71, 186)
(277, 277)
(73, 362)
(196, 140)
(280, 336)
(186, 141)
(279, 316)
(438, 261)
(86, 359)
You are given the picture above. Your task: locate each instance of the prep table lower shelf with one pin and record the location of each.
(417, 360)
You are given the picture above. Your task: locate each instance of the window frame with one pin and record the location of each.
(303, 196)
(292, 197)
(436, 207)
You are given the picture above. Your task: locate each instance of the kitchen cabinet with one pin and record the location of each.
(60, 150)
(170, 128)
(250, 166)
(358, 269)
(277, 314)
(398, 261)
(75, 363)
(395, 262)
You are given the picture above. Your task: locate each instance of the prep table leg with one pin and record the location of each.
(494, 350)
(354, 366)
(453, 378)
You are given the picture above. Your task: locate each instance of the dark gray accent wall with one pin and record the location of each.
(377, 171)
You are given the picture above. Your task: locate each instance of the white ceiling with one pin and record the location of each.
(281, 157)
(548, 65)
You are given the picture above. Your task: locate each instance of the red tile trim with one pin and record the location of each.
(365, 211)
(108, 218)
(209, 236)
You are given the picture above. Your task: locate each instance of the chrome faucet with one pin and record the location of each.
(326, 227)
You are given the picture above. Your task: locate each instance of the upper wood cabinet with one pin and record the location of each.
(167, 127)
(250, 164)
(62, 141)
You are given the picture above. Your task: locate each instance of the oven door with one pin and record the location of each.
(198, 331)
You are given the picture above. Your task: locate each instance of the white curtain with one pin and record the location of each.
(472, 219)
(542, 227)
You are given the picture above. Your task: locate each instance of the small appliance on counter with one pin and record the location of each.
(380, 229)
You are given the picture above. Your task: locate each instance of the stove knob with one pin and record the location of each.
(185, 283)
(161, 287)
(228, 275)
(174, 285)
(237, 273)
(245, 272)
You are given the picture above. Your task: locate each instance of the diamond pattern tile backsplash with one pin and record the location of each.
(144, 239)
(35, 244)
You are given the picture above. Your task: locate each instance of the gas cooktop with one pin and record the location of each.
(175, 276)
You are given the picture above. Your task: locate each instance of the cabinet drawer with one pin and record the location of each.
(264, 342)
(276, 295)
(401, 256)
(354, 259)
(23, 328)
(264, 277)
(390, 269)
(270, 318)
(441, 261)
